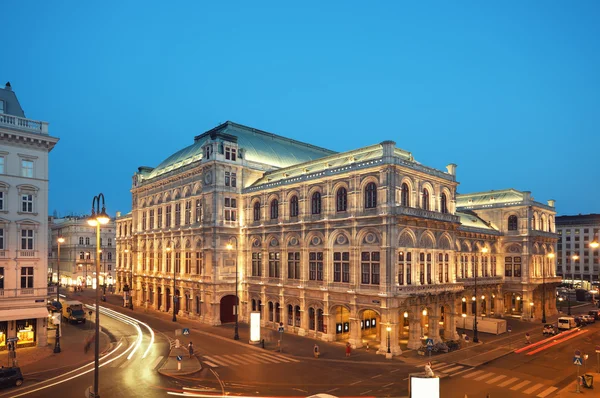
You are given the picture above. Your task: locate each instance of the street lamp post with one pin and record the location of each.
(484, 250)
(560, 300)
(464, 317)
(236, 336)
(575, 258)
(389, 329)
(57, 341)
(551, 257)
(98, 217)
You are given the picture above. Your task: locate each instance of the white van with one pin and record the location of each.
(566, 323)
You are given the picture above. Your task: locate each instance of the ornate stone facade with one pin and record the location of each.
(353, 246)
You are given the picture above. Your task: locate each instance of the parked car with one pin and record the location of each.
(595, 314)
(589, 318)
(580, 321)
(566, 323)
(10, 377)
(548, 330)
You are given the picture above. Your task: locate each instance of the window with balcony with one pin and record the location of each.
(2, 106)
(341, 267)
(274, 209)
(370, 196)
(315, 266)
(26, 277)
(274, 265)
(230, 209)
(26, 239)
(88, 256)
(256, 263)
(293, 265)
(341, 199)
(27, 203)
(316, 203)
(370, 268)
(26, 168)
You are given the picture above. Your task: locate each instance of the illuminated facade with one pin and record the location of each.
(577, 261)
(24, 148)
(336, 246)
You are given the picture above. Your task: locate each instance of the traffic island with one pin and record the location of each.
(571, 389)
(179, 363)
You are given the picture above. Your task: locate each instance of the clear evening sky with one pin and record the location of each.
(508, 90)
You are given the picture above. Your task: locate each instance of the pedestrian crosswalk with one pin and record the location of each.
(521, 385)
(216, 361)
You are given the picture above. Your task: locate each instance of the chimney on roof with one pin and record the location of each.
(451, 169)
(8, 86)
(552, 203)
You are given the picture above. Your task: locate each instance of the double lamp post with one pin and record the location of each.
(60, 240)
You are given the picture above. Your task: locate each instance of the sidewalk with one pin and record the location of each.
(33, 360)
(569, 391)
(186, 366)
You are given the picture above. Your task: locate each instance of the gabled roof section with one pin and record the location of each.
(257, 146)
(504, 196)
(11, 103)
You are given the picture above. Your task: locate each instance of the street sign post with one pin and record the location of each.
(281, 330)
(577, 362)
(186, 331)
(179, 358)
(429, 346)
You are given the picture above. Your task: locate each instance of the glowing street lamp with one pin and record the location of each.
(95, 220)
(389, 329)
(236, 336)
(60, 240)
(551, 258)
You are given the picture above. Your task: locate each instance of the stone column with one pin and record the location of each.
(488, 305)
(414, 332)
(355, 339)
(434, 328)
(451, 322)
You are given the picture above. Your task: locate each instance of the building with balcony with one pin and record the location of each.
(24, 148)
(351, 246)
(78, 252)
(578, 261)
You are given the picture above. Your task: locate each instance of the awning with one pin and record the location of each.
(23, 313)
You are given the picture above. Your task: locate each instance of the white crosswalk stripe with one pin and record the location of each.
(546, 392)
(243, 359)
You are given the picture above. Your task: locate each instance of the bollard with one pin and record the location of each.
(179, 365)
(262, 343)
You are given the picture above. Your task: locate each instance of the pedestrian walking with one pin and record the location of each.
(428, 370)
(528, 338)
(191, 349)
(348, 349)
(316, 351)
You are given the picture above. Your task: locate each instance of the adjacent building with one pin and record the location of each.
(24, 148)
(356, 246)
(78, 252)
(578, 261)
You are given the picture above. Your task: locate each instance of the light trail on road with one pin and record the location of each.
(545, 347)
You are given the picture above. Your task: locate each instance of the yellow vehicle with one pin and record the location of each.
(72, 311)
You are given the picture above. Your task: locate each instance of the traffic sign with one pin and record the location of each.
(281, 329)
(577, 361)
(186, 331)
(429, 342)
(179, 358)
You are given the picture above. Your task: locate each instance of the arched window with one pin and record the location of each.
(316, 203)
(541, 224)
(256, 211)
(274, 209)
(405, 195)
(425, 199)
(341, 199)
(512, 223)
(81, 255)
(370, 196)
(444, 203)
(81, 240)
(534, 223)
(294, 206)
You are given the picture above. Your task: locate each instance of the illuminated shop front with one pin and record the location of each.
(3, 333)
(26, 332)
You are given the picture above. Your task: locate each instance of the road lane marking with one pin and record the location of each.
(214, 365)
(521, 384)
(269, 358)
(478, 372)
(461, 372)
(440, 368)
(495, 379)
(532, 389)
(363, 393)
(395, 370)
(356, 382)
(507, 382)
(155, 363)
(250, 358)
(485, 376)
(546, 392)
(234, 359)
(334, 389)
(376, 376)
(451, 369)
(216, 361)
(387, 385)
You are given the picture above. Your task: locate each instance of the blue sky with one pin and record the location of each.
(508, 91)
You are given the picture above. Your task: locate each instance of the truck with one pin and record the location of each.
(72, 311)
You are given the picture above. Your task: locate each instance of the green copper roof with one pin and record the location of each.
(489, 198)
(257, 146)
(471, 220)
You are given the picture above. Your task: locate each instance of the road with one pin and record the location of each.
(235, 368)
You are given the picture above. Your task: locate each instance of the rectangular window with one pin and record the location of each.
(230, 153)
(1, 200)
(177, 214)
(26, 168)
(152, 219)
(168, 262)
(1, 277)
(150, 260)
(422, 268)
(27, 239)
(1, 161)
(1, 106)
(508, 267)
(315, 266)
(178, 262)
(1, 238)
(230, 209)
(159, 220)
(370, 268)
(188, 212)
(341, 267)
(26, 277)
(144, 221)
(159, 262)
(274, 265)
(198, 263)
(429, 268)
(517, 267)
(227, 179)
(294, 265)
(27, 203)
(188, 262)
(144, 260)
(256, 264)
(198, 210)
(401, 268)
(168, 216)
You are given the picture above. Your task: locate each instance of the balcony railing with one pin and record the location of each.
(20, 123)
(433, 289)
(422, 213)
(28, 253)
(27, 292)
(481, 280)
